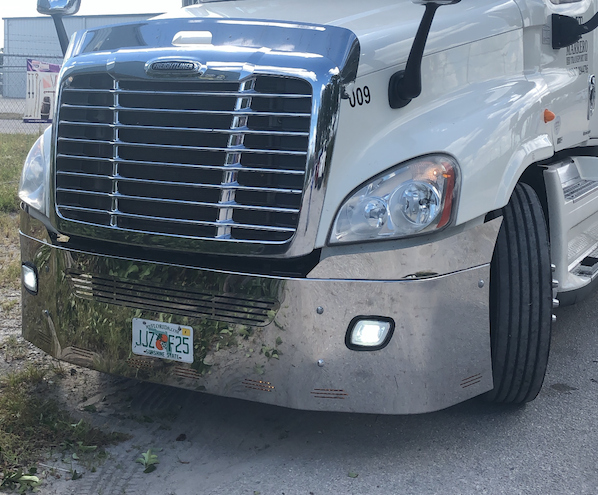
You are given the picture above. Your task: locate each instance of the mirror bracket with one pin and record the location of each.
(58, 9)
(405, 85)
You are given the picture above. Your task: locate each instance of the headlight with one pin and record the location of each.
(33, 188)
(413, 198)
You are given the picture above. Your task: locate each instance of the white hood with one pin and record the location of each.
(385, 28)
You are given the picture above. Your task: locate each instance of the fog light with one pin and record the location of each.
(29, 276)
(369, 333)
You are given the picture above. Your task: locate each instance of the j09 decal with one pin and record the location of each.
(360, 97)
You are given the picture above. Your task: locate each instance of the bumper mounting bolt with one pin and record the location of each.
(319, 310)
(481, 284)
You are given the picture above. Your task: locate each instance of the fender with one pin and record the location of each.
(486, 114)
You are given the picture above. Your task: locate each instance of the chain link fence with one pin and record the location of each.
(13, 94)
(35, 38)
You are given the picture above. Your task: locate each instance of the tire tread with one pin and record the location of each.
(521, 300)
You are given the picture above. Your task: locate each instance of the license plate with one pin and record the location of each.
(162, 340)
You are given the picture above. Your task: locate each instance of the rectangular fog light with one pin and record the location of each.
(369, 333)
(29, 277)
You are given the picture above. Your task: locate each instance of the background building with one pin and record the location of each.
(35, 37)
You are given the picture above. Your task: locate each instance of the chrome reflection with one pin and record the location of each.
(299, 359)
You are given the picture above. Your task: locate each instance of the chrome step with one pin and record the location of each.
(572, 196)
(588, 267)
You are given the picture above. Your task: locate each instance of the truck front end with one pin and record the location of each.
(198, 216)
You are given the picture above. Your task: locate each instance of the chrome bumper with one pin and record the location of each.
(438, 356)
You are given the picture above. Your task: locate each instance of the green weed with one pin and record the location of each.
(149, 461)
(20, 481)
(31, 423)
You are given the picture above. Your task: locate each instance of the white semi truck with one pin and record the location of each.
(340, 205)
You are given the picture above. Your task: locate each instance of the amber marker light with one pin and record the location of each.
(549, 116)
(449, 175)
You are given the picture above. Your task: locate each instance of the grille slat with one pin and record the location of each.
(184, 129)
(231, 224)
(186, 165)
(196, 159)
(188, 93)
(120, 108)
(179, 202)
(239, 149)
(120, 178)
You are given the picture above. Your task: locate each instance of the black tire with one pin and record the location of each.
(520, 300)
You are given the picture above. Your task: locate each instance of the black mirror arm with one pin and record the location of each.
(63, 38)
(566, 30)
(592, 24)
(406, 85)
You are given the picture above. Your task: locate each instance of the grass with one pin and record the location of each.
(13, 348)
(10, 271)
(10, 264)
(11, 116)
(7, 306)
(9, 228)
(13, 151)
(32, 424)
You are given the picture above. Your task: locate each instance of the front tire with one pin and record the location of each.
(520, 300)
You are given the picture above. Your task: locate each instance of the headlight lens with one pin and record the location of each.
(413, 198)
(35, 176)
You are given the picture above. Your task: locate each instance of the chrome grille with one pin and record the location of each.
(199, 159)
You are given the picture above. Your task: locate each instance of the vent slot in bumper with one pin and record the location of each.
(193, 302)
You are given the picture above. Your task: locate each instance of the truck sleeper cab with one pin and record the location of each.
(255, 202)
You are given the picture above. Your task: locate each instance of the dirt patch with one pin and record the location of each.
(30, 379)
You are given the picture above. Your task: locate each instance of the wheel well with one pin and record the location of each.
(532, 176)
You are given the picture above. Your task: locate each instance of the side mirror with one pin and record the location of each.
(58, 7)
(566, 31)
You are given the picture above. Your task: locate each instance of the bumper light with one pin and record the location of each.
(369, 333)
(29, 277)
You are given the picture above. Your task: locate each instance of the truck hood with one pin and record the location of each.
(385, 28)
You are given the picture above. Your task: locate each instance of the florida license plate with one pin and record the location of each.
(162, 340)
